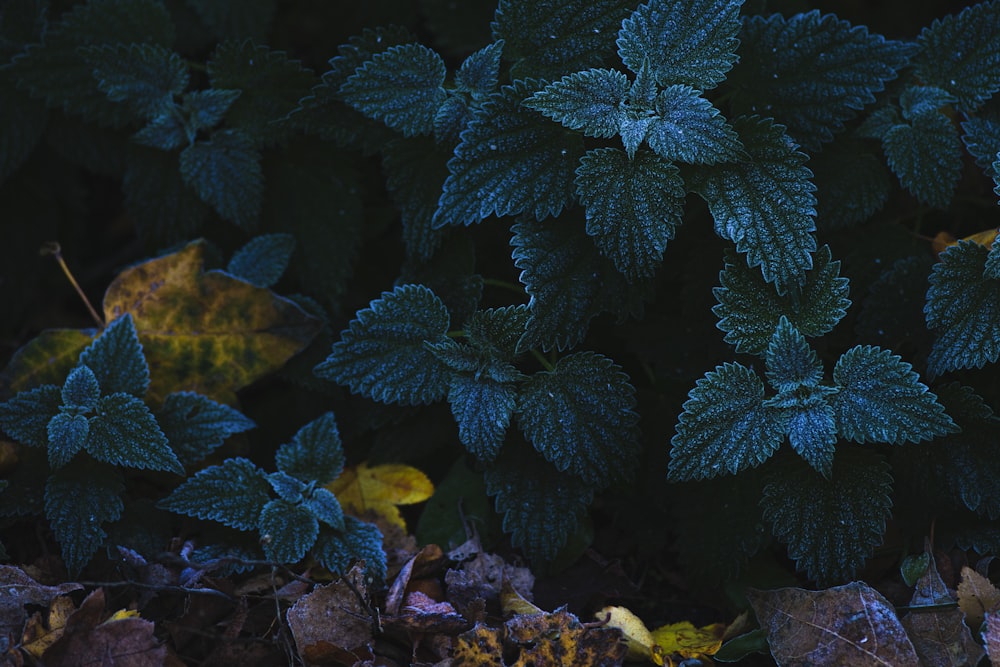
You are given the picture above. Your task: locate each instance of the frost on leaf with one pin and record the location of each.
(225, 171)
(263, 260)
(25, 416)
(791, 363)
(145, 77)
(383, 353)
(590, 101)
(691, 42)
(78, 500)
(687, 128)
(633, 207)
(926, 154)
(195, 425)
(287, 531)
(479, 74)
(315, 453)
(233, 493)
(124, 432)
(117, 360)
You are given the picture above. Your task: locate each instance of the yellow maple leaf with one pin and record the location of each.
(379, 490)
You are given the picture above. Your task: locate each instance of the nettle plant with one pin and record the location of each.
(816, 152)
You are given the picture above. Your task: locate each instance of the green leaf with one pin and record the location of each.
(22, 124)
(991, 269)
(225, 172)
(880, 399)
(479, 74)
(892, 311)
(591, 101)
(830, 525)
(482, 407)
(124, 432)
(791, 363)
(961, 53)
(145, 77)
(251, 18)
(315, 453)
(337, 551)
(852, 183)
(415, 171)
(982, 140)
(926, 155)
(78, 500)
(496, 331)
(827, 71)
(547, 38)
(401, 86)
(158, 199)
(812, 432)
(206, 108)
(287, 487)
(633, 207)
(765, 204)
(195, 426)
(687, 128)
(287, 531)
(382, 354)
(165, 132)
(726, 426)
(451, 119)
(54, 70)
(233, 493)
(263, 260)
(541, 507)
(963, 310)
(325, 507)
(68, 434)
(691, 42)
(25, 416)
(749, 309)
(580, 416)
(116, 359)
(451, 274)
(510, 161)
(81, 389)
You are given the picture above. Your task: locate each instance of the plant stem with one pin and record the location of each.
(53, 248)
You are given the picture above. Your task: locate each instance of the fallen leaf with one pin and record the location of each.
(992, 637)
(481, 646)
(39, 635)
(19, 590)
(482, 579)
(379, 490)
(683, 640)
(560, 640)
(637, 636)
(943, 240)
(332, 621)
(976, 596)
(845, 625)
(512, 602)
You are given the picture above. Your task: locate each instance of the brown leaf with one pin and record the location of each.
(992, 637)
(845, 625)
(560, 640)
(18, 590)
(482, 577)
(976, 596)
(479, 647)
(332, 619)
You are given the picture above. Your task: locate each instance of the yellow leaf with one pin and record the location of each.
(122, 614)
(944, 240)
(364, 491)
(685, 640)
(637, 635)
(977, 596)
(38, 639)
(512, 602)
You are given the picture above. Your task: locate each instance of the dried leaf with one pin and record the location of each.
(363, 491)
(845, 625)
(513, 602)
(481, 646)
(19, 590)
(637, 636)
(560, 640)
(992, 637)
(943, 240)
(685, 641)
(332, 620)
(977, 596)
(39, 636)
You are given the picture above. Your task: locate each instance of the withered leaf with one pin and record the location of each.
(19, 590)
(976, 596)
(332, 618)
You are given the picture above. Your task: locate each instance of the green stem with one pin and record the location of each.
(503, 284)
(546, 364)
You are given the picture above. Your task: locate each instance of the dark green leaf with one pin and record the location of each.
(830, 525)
(195, 425)
(497, 330)
(401, 86)
(415, 172)
(81, 390)
(982, 140)
(963, 310)
(382, 354)
(25, 417)
(510, 161)
(233, 493)
(225, 172)
(145, 77)
(580, 416)
(791, 363)
(325, 507)
(812, 432)
(337, 551)
(482, 407)
(765, 204)
(68, 434)
(124, 432)
(451, 119)
(78, 500)
(916, 101)
(250, 18)
(165, 132)
(117, 361)
(156, 197)
(263, 260)
(590, 101)
(451, 274)
(961, 53)
(686, 41)
(287, 531)
(315, 453)
(749, 309)
(725, 427)
(812, 72)
(206, 108)
(22, 124)
(541, 507)
(547, 38)
(479, 74)
(633, 206)
(687, 128)
(852, 183)
(880, 399)
(991, 269)
(926, 156)
(287, 487)
(892, 312)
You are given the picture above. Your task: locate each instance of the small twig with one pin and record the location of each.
(160, 588)
(53, 248)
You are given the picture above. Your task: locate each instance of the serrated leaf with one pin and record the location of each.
(263, 260)
(963, 310)
(78, 500)
(68, 434)
(22, 124)
(541, 507)
(991, 269)
(791, 363)
(401, 86)
(961, 53)
(827, 71)
(166, 132)
(926, 156)
(852, 183)
(591, 101)
(451, 119)
(81, 389)
(287, 487)
(415, 172)
(830, 525)
(25, 416)
(812, 432)
(725, 427)
(687, 128)
(315, 453)
(325, 507)
(917, 100)
(206, 108)
(337, 551)
(497, 330)
(225, 172)
(547, 38)
(633, 206)
(158, 199)
(880, 399)
(116, 358)
(892, 311)
(479, 74)
(510, 161)
(765, 204)
(251, 18)
(691, 42)
(382, 354)
(287, 531)
(482, 407)
(145, 77)
(124, 432)
(195, 425)
(233, 493)
(982, 140)
(208, 319)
